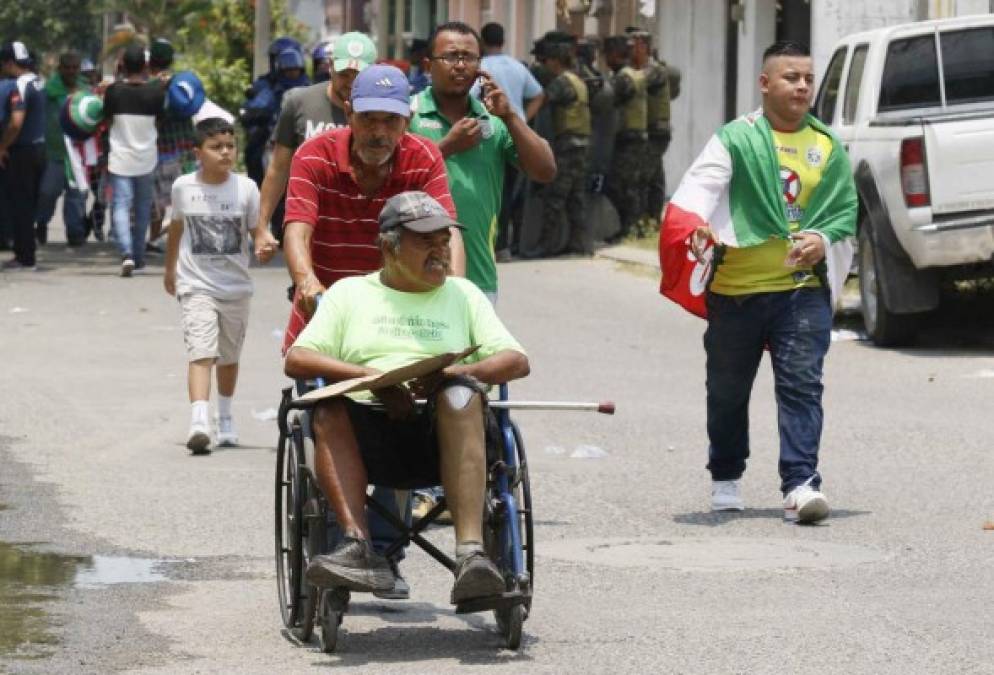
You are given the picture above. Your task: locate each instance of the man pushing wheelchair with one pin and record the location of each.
(407, 311)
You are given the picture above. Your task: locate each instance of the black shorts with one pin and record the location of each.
(396, 454)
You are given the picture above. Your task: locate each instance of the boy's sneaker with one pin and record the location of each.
(199, 440)
(127, 267)
(805, 504)
(726, 495)
(226, 435)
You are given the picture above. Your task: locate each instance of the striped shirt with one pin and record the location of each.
(322, 192)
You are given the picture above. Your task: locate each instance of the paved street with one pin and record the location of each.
(634, 575)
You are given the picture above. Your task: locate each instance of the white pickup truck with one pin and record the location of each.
(914, 106)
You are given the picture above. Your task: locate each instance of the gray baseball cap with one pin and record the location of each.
(417, 211)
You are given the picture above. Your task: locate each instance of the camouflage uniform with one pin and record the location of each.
(658, 126)
(565, 222)
(625, 186)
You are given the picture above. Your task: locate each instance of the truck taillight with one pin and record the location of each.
(914, 176)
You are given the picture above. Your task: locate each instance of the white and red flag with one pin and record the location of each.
(734, 188)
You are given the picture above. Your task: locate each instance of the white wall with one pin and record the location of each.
(691, 36)
(757, 31)
(965, 7)
(831, 20)
(311, 14)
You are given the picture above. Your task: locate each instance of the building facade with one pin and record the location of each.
(716, 44)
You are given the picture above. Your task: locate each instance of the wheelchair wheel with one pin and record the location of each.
(289, 543)
(511, 619)
(334, 604)
(314, 536)
(509, 623)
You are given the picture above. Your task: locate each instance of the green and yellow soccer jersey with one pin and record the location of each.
(803, 155)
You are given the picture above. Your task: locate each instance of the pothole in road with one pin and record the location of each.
(711, 554)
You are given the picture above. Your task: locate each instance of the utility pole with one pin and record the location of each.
(263, 21)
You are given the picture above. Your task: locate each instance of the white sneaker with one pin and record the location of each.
(804, 504)
(199, 440)
(127, 267)
(226, 434)
(726, 495)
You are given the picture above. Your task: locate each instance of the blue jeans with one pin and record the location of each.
(131, 192)
(796, 326)
(53, 184)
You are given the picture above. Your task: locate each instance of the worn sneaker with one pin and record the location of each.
(401, 589)
(127, 267)
(476, 577)
(353, 565)
(421, 504)
(805, 504)
(726, 495)
(199, 440)
(226, 435)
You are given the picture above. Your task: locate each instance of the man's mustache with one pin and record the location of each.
(376, 144)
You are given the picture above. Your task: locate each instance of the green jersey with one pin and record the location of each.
(476, 180)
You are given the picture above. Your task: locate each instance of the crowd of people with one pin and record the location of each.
(381, 183)
(125, 138)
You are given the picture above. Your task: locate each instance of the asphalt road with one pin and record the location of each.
(634, 575)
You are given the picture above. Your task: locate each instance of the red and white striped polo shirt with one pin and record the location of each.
(323, 193)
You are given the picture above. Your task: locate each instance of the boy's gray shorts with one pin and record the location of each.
(212, 328)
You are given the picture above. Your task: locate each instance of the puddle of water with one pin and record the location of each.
(28, 581)
(104, 570)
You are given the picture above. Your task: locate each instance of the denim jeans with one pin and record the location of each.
(131, 192)
(796, 326)
(53, 184)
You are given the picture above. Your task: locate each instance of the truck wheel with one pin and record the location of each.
(884, 327)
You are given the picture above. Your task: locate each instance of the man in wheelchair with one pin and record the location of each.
(408, 310)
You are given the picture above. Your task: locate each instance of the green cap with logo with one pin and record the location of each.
(353, 51)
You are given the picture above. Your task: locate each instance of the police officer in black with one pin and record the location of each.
(22, 151)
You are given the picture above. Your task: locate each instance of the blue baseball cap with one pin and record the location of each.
(185, 94)
(381, 88)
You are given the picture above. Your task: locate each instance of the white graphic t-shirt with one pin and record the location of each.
(214, 250)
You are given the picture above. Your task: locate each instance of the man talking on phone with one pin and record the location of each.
(477, 139)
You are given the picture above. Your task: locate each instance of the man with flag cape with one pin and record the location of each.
(758, 239)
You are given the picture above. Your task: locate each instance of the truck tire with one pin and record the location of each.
(884, 327)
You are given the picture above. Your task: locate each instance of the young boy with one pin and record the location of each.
(207, 261)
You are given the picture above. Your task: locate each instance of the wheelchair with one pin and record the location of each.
(305, 527)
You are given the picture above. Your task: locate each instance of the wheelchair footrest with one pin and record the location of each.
(503, 601)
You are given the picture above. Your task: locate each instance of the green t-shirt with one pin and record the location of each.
(363, 322)
(476, 180)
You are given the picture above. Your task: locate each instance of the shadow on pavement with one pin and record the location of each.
(478, 644)
(717, 518)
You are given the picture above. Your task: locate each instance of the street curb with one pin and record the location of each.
(630, 255)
